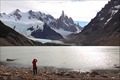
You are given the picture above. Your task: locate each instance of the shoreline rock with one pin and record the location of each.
(10, 59)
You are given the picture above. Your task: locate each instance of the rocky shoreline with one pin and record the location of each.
(45, 73)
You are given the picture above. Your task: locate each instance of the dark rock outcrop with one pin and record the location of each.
(46, 33)
(16, 13)
(10, 59)
(104, 29)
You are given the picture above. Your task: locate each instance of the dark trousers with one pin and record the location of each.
(34, 70)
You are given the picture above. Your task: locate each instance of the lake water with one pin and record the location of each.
(83, 58)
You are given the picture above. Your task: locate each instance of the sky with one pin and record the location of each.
(79, 10)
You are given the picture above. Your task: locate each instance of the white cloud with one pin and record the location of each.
(79, 10)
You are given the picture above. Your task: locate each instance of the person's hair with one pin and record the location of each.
(34, 59)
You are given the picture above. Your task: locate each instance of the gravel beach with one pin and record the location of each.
(46, 73)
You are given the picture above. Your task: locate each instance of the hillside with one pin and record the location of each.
(9, 37)
(103, 30)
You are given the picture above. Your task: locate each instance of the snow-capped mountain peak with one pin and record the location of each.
(16, 11)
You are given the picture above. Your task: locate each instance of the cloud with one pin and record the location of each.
(79, 10)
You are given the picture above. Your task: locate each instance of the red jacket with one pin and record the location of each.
(34, 63)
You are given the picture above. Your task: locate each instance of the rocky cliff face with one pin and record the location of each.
(67, 23)
(104, 29)
(9, 37)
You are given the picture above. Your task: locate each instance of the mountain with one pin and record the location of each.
(30, 22)
(66, 23)
(46, 33)
(9, 37)
(104, 28)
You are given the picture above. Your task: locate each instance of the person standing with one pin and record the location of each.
(34, 66)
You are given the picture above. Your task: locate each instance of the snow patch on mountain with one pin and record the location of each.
(62, 32)
(108, 20)
(117, 7)
(101, 19)
(78, 30)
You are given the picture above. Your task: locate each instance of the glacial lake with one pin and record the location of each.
(73, 57)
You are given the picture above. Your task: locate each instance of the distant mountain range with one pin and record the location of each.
(40, 25)
(104, 28)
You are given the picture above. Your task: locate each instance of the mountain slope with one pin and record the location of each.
(47, 33)
(104, 28)
(9, 37)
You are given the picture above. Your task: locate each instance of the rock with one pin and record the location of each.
(6, 74)
(113, 77)
(104, 76)
(93, 74)
(1, 78)
(8, 78)
(66, 74)
(119, 75)
(117, 67)
(10, 59)
(16, 78)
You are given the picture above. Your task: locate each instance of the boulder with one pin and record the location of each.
(1, 78)
(93, 74)
(10, 59)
